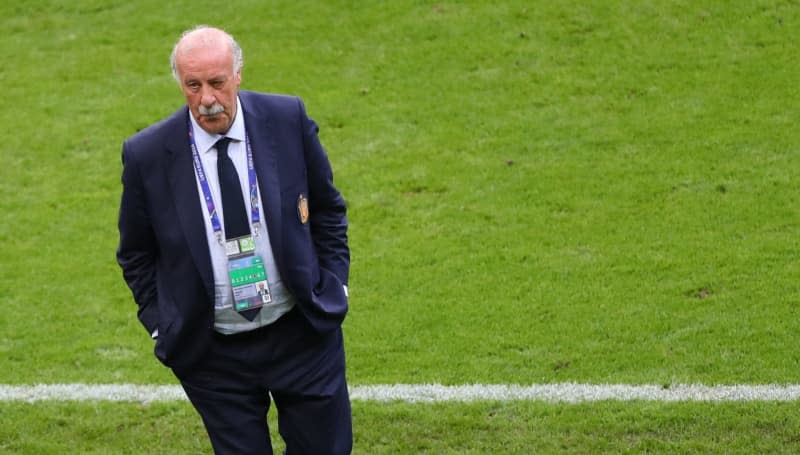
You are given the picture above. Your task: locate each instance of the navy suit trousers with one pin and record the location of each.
(302, 370)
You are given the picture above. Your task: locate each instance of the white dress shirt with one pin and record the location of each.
(228, 320)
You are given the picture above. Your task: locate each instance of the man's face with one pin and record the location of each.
(210, 86)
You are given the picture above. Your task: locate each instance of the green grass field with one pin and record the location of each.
(539, 192)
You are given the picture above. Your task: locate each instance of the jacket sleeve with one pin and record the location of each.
(328, 212)
(136, 253)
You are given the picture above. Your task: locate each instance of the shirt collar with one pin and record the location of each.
(205, 140)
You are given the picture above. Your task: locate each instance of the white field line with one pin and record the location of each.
(426, 393)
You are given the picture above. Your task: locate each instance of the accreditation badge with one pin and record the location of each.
(247, 274)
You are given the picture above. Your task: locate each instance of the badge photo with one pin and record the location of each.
(302, 208)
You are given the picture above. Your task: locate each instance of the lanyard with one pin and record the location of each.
(212, 210)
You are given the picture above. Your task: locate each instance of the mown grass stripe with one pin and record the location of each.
(422, 393)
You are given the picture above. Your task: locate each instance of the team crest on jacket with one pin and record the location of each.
(302, 208)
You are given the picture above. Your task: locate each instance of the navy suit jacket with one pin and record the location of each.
(163, 250)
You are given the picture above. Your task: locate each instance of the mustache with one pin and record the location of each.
(215, 109)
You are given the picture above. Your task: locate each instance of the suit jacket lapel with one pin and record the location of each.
(180, 172)
(266, 164)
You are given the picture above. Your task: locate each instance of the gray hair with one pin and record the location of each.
(236, 51)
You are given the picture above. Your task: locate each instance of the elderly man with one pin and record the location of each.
(233, 241)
